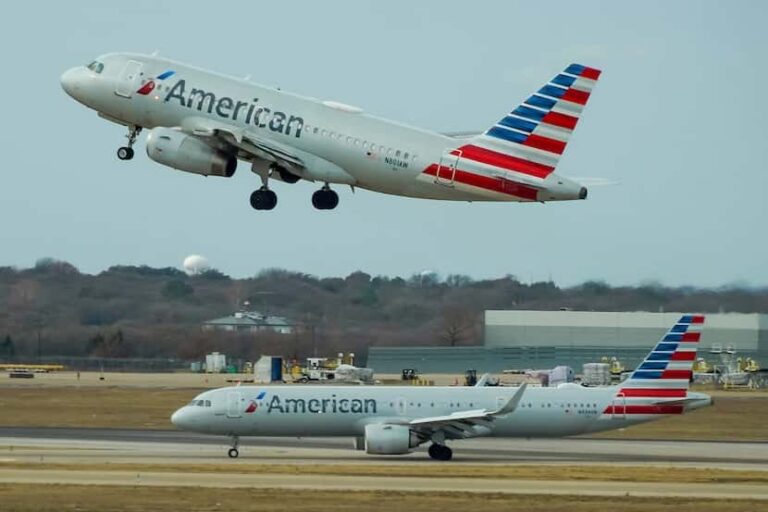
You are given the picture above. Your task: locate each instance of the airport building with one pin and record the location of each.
(250, 321)
(544, 339)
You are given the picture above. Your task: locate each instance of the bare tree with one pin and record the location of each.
(458, 322)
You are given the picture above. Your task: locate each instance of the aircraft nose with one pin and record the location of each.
(178, 418)
(71, 81)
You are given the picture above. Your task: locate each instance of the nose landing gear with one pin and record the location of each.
(126, 152)
(233, 452)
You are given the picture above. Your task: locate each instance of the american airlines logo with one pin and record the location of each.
(247, 112)
(314, 405)
(149, 86)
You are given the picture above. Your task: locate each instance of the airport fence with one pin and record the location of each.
(107, 364)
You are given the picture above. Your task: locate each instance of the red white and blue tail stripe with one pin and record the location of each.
(538, 130)
(514, 157)
(659, 385)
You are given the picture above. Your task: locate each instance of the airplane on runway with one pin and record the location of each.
(393, 420)
(204, 123)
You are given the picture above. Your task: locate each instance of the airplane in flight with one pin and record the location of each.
(393, 420)
(205, 123)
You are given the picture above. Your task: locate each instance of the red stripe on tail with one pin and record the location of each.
(644, 409)
(576, 96)
(677, 374)
(691, 336)
(503, 186)
(684, 356)
(654, 392)
(490, 157)
(545, 143)
(561, 120)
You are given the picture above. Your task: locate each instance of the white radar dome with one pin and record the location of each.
(194, 264)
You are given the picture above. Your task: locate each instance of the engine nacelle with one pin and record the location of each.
(174, 149)
(389, 439)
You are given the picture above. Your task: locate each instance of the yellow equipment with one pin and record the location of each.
(701, 366)
(34, 368)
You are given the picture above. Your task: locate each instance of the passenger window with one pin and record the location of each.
(357, 142)
(207, 403)
(324, 133)
(389, 151)
(314, 130)
(349, 140)
(365, 144)
(405, 156)
(397, 153)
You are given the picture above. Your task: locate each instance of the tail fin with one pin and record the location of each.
(659, 386)
(531, 138)
(667, 370)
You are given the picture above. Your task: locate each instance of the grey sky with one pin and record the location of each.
(678, 117)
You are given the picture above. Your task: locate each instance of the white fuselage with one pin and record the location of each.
(359, 149)
(317, 410)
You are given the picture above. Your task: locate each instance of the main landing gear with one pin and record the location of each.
(126, 152)
(325, 199)
(233, 452)
(264, 198)
(440, 452)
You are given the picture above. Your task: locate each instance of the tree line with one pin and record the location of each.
(140, 311)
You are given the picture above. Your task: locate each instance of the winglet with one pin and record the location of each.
(512, 404)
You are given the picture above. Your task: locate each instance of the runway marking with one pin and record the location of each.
(384, 483)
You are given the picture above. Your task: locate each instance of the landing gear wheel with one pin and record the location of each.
(325, 199)
(440, 452)
(233, 453)
(263, 199)
(125, 153)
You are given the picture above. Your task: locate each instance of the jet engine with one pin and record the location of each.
(174, 149)
(389, 439)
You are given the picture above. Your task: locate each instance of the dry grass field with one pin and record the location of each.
(82, 498)
(734, 416)
(604, 473)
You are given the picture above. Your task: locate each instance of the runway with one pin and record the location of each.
(148, 445)
(160, 458)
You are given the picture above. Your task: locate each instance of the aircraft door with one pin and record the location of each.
(129, 79)
(234, 398)
(446, 168)
(619, 407)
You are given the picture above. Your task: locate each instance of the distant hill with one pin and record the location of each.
(158, 312)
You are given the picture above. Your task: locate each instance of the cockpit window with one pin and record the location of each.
(96, 66)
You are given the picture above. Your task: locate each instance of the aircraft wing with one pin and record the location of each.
(464, 424)
(244, 140)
